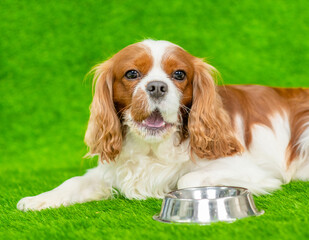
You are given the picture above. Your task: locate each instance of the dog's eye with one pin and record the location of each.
(132, 74)
(179, 75)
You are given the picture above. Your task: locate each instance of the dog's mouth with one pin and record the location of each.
(155, 122)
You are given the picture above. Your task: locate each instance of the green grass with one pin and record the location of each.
(47, 47)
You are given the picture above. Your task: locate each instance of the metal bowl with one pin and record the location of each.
(204, 205)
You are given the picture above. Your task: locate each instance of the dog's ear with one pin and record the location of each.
(209, 125)
(103, 135)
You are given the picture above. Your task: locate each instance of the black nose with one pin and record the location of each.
(157, 89)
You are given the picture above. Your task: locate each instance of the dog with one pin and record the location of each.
(159, 122)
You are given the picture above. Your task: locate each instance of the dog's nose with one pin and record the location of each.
(157, 89)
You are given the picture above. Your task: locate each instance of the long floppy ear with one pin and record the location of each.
(209, 125)
(103, 135)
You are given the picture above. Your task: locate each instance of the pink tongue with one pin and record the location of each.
(155, 120)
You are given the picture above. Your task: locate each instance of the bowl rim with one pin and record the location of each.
(169, 195)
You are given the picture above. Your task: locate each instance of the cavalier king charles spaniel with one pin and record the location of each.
(159, 122)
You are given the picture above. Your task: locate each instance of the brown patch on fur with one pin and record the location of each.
(113, 95)
(298, 102)
(256, 104)
(136, 57)
(211, 133)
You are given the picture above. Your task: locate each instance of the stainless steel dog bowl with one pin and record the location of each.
(204, 205)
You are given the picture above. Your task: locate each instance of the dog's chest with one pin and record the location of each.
(149, 173)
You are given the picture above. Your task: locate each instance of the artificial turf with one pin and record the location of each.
(46, 49)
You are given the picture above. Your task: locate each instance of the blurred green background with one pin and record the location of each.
(46, 49)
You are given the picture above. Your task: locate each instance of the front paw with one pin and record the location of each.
(37, 203)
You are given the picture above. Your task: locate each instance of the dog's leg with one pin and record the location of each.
(233, 171)
(81, 189)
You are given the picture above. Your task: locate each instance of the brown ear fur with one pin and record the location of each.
(103, 135)
(209, 125)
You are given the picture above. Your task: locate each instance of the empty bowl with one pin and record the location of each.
(204, 205)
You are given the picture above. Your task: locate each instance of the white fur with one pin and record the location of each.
(151, 169)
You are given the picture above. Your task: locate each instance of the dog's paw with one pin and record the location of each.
(37, 203)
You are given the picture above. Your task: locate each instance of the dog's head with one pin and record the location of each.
(155, 89)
